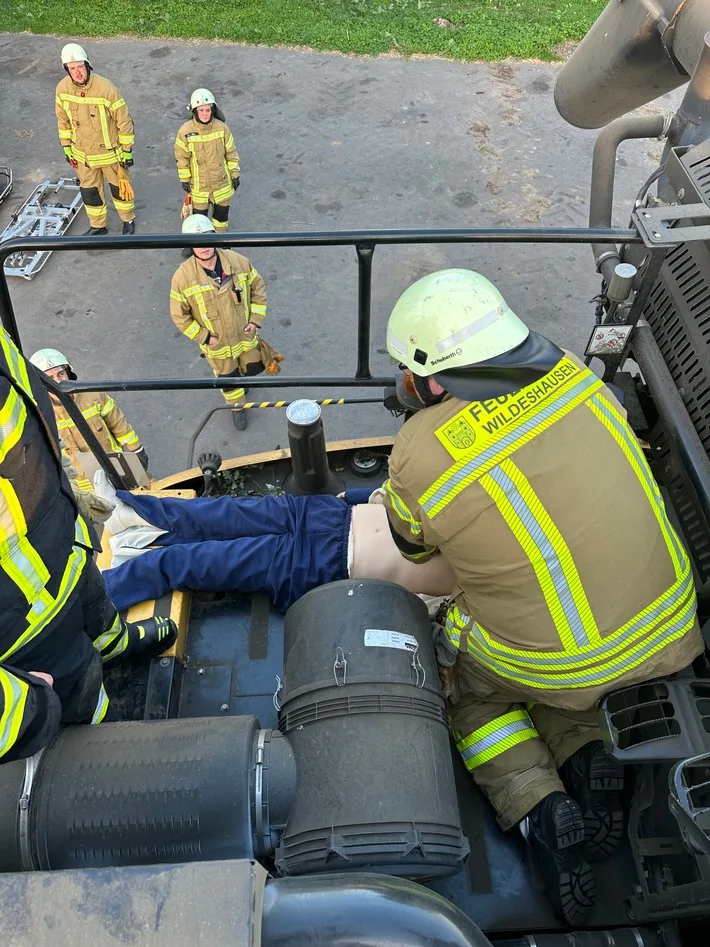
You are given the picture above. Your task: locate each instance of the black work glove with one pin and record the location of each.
(186, 186)
(235, 183)
(142, 457)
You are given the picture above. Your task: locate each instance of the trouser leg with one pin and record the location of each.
(102, 622)
(565, 731)
(126, 209)
(220, 216)
(503, 752)
(91, 183)
(235, 397)
(200, 207)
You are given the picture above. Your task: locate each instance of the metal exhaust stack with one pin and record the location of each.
(306, 437)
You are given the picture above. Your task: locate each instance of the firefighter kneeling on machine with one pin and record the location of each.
(218, 300)
(207, 160)
(522, 471)
(96, 132)
(107, 421)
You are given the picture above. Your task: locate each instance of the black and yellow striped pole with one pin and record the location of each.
(285, 404)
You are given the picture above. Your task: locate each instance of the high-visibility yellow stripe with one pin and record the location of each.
(179, 143)
(84, 484)
(547, 552)
(193, 330)
(65, 97)
(65, 134)
(12, 422)
(95, 212)
(184, 174)
(177, 296)
(14, 699)
(130, 437)
(618, 428)
(211, 136)
(495, 738)
(101, 706)
(117, 104)
(16, 364)
(231, 395)
(456, 622)
(123, 205)
(18, 558)
(230, 351)
(474, 464)
(222, 194)
(402, 510)
(220, 225)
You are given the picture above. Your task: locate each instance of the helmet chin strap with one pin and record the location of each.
(421, 386)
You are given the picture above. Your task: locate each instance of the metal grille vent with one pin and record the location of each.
(701, 693)
(697, 163)
(641, 714)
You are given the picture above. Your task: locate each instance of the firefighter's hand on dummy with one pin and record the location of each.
(446, 660)
(90, 506)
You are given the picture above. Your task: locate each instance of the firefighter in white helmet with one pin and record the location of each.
(207, 159)
(506, 472)
(218, 300)
(96, 132)
(108, 422)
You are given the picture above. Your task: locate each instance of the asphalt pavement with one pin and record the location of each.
(326, 142)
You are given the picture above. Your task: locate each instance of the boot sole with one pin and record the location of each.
(603, 811)
(574, 889)
(569, 825)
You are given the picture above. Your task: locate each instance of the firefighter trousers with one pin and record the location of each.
(220, 211)
(514, 748)
(93, 182)
(236, 368)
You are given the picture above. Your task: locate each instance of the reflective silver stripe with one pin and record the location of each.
(10, 707)
(588, 381)
(472, 329)
(101, 706)
(108, 636)
(546, 550)
(587, 657)
(488, 742)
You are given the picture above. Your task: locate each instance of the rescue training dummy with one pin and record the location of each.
(96, 133)
(207, 160)
(107, 421)
(522, 471)
(218, 300)
(57, 622)
(281, 545)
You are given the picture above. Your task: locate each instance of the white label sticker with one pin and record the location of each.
(382, 638)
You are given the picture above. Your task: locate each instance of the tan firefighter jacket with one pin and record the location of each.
(200, 309)
(106, 420)
(207, 157)
(570, 573)
(93, 119)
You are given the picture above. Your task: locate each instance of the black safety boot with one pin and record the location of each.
(150, 637)
(129, 227)
(95, 232)
(555, 831)
(239, 419)
(596, 781)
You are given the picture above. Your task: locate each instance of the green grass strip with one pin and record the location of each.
(481, 30)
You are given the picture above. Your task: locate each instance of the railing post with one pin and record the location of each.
(364, 302)
(7, 310)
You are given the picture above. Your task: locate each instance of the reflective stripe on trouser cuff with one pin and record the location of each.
(114, 640)
(101, 706)
(123, 205)
(232, 396)
(495, 738)
(220, 224)
(93, 211)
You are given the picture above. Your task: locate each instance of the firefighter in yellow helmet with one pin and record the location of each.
(108, 422)
(207, 159)
(522, 471)
(218, 300)
(96, 132)
(58, 625)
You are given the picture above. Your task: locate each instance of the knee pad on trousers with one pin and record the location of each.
(254, 368)
(220, 212)
(204, 211)
(114, 191)
(92, 196)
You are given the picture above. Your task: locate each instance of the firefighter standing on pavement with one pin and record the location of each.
(207, 160)
(57, 621)
(96, 132)
(523, 472)
(106, 419)
(218, 300)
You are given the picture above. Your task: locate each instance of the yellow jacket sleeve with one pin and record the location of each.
(230, 153)
(182, 157)
(30, 712)
(405, 520)
(123, 120)
(257, 297)
(63, 124)
(117, 423)
(181, 314)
